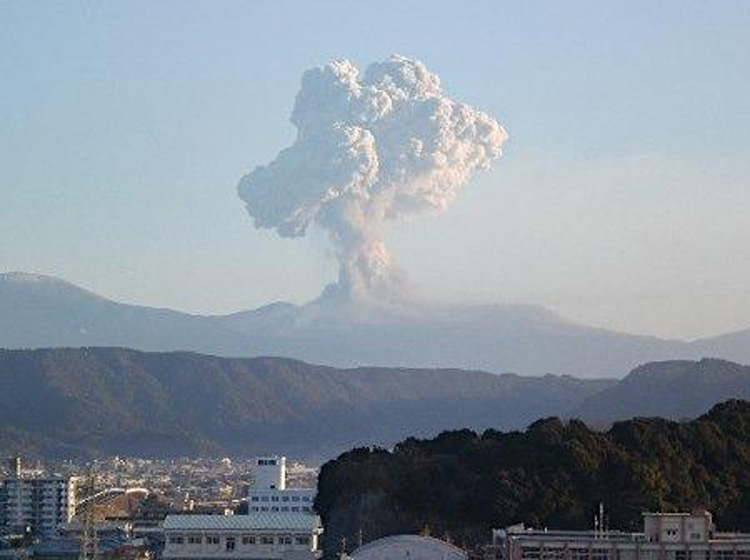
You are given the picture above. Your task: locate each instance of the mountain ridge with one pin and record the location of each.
(123, 401)
(38, 311)
(673, 389)
(64, 402)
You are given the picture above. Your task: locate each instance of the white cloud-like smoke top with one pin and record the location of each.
(369, 149)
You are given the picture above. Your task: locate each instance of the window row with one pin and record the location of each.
(280, 499)
(247, 540)
(536, 553)
(282, 508)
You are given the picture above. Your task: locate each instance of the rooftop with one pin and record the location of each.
(251, 521)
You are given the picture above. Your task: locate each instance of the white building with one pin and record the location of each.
(269, 492)
(269, 473)
(268, 536)
(39, 503)
(665, 536)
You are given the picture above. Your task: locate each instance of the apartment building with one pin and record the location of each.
(36, 503)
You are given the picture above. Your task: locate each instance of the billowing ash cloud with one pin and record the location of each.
(369, 149)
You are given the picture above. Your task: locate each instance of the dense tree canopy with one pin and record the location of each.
(461, 484)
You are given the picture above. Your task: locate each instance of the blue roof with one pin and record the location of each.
(251, 521)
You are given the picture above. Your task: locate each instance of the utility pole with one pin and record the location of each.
(88, 537)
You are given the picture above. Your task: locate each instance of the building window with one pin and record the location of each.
(230, 544)
(295, 498)
(264, 499)
(254, 498)
(195, 540)
(248, 540)
(285, 499)
(176, 539)
(274, 498)
(212, 539)
(285, 540)
(266, 540)
(302, 540)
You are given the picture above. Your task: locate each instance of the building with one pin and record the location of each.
(665, 536)
(269, 473)
(269, 492)
(270, 536)
(36, 503)
(292, 500)
(407, 547)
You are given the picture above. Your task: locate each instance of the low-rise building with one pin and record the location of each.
(665, 536)
(268, 536)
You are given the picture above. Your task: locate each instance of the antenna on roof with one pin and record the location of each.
(600, 522)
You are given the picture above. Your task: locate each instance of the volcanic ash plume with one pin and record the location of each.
(369, 149)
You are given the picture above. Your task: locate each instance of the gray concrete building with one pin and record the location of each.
(33, 502)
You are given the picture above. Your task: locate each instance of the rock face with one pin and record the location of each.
(40, 311)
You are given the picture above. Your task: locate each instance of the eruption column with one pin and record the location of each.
(369, 150)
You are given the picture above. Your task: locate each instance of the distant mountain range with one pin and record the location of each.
(63, 402)
(60, 402)
(41, 311)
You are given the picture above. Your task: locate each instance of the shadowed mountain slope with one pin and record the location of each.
(120, 401)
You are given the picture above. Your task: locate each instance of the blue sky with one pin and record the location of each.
(622, 199)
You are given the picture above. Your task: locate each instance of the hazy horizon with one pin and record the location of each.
(620, 200)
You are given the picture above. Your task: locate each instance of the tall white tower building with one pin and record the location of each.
(269, 492)
(269, 473)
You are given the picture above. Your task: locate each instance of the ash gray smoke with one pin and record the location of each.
(369, 149)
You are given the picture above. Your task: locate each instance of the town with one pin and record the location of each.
(263, 508)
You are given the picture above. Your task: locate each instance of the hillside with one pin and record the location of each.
(674, 389)
(120, 401)
(41, 311)
(461, 485)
